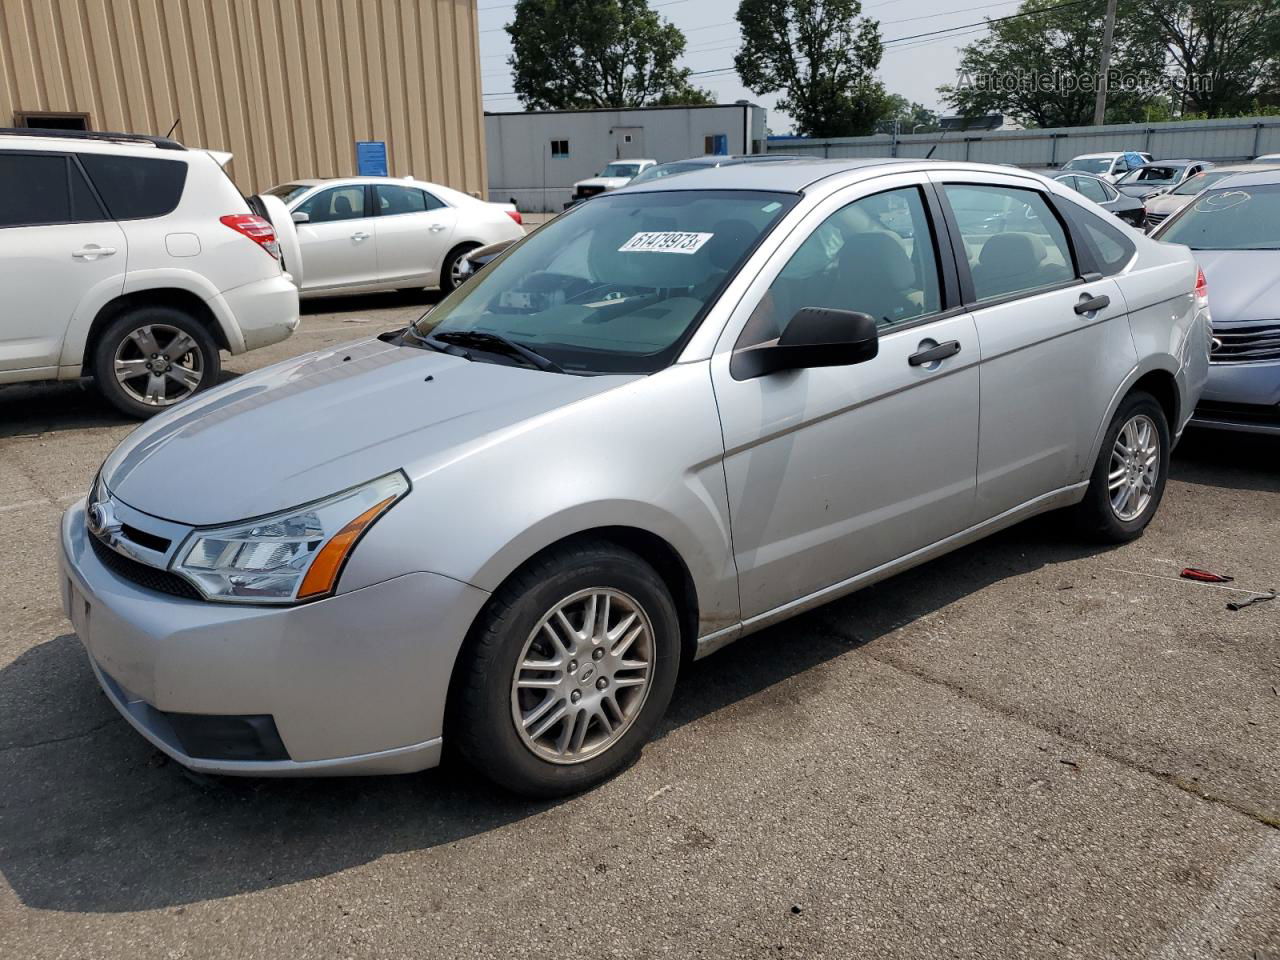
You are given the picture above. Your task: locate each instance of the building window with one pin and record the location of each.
(626, 138)
(559, 148)
(51, 121)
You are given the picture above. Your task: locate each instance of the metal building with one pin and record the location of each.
(535, 158)
(289, 88)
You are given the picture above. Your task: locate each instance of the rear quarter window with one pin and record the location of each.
(1111, 248)
(136, 188)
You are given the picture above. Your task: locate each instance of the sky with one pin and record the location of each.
(913, 67)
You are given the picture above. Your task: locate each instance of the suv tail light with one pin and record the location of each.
(515, 215)
(257, 229)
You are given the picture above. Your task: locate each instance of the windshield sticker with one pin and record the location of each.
(1222, 201)
(666, 242)
(770, 207)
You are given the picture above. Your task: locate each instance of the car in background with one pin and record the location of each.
(366, 234)
(1152, 178)
(133, 260)
(1233, 228)
(1164, 205)
(1110, 166)
(617, 174)
(1104, 194)
(710, 161)
(635, 438)
(1267, 158)
(476, 260)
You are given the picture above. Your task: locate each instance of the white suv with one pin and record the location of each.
(133, 260)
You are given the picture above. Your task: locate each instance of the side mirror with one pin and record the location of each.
(301, 217)
(815, 337)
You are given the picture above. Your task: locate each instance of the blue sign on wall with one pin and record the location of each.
(371, 158)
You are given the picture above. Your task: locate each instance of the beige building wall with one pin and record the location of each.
(288, 86)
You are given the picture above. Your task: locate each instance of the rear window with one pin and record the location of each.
(136, 188)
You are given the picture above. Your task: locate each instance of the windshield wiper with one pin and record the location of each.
(495, 343)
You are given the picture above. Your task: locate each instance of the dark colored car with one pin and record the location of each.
(1129, 209)
(1163, 175)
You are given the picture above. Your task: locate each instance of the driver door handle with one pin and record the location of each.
(935, 353)
(1090, 304)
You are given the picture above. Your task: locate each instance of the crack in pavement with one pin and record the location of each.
(71, 736)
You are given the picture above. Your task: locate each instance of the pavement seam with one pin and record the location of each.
(71, 736)
(1169, 779)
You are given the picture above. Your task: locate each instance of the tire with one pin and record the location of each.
(145, 335)
(498, 728)
(1098, 515)
(449, 283)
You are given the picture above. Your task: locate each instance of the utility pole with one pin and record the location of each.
(1108, 31)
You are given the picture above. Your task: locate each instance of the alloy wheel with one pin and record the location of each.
(159, 365)
(1134, 469)
(583, 675)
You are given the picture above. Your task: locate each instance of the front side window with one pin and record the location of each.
(336, 203)
(617, 284)
(393, 200)
(1019, 247)
(876, 256)
(136, 188)
(1241, 218)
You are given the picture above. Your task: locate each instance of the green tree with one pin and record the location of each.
(1041, 69)
(907, 114)
(1234, 46)
(569, 54)
(822, 55)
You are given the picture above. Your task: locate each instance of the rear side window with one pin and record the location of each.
(1111, 248)
(35, 190)
(136, 188)
(393, 199)
(1012, 240)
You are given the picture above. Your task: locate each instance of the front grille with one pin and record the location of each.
(584, 192)
(1259, 341)
(149, 578)
(1155, 219)
(1239, 412)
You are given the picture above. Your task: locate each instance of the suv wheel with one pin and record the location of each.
(567, 673)
(1129, 477)
(152, 358)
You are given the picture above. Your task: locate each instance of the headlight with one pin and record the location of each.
(291, 556)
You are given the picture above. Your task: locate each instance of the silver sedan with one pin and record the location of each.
(669, 418)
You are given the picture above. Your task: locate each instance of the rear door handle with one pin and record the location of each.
(91, 251)
(1090, 304)
(935, 353)
(437, 227)
(359, 235)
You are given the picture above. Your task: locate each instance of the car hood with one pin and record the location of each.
(1243, 284)
(1167, 203)
(318, 424)
(609, 183)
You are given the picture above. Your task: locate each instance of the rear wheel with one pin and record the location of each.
(568, 672)
(151, 358)
(450, 276)
(1129, 477)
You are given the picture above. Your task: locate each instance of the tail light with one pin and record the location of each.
(515, 215)
(257, 229)
(1202, 289)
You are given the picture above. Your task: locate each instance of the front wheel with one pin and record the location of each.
(1129, 477)
(151, 358)
(451, 276)
(568, 672)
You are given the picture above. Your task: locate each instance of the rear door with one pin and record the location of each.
(834, 471)
(58, 248)
(1054, 334)
(414, 229)
(337, 239)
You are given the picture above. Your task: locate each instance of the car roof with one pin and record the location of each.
(1267, 176)
(789, 176)
(126, 144)
(1164, 163)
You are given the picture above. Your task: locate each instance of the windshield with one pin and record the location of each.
(621, 170)
(287, 191)
(1152, 175)
(1090, 164)
(1197, 183)
(615, 285)
(670, 170)
(1230, 219)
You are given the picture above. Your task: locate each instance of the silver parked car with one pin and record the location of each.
(1234, 229)
(668, 418)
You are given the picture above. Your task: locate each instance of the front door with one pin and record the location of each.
(835, 471)
(1048, 369)
(414, 230)
(57, 249)
(337, 239)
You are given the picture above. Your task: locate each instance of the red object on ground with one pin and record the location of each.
(1204, 576)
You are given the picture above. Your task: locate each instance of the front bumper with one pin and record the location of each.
(1244, 397)
(355, 684)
